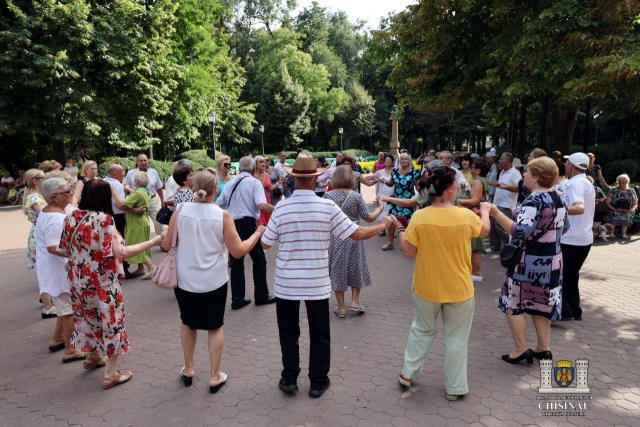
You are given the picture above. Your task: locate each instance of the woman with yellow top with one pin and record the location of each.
(440, 235)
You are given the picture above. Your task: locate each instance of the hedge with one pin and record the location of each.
(198, 156)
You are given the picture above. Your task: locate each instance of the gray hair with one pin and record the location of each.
(508, 156)
(448, 154)
(618, 179)
(141, 178)
(51, 186)
(247, 164)
(435, 164)
(182, 163)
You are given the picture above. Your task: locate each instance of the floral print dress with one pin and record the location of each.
(32, 216)
(404, 189)
(535, 286)
(622, 199)
(95, 275)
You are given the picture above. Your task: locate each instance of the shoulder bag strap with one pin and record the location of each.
(235, 187)
(530, 243)
(75, 230)
(174, 239)
(345, 200)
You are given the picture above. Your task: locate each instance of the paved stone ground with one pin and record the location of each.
(36, 389)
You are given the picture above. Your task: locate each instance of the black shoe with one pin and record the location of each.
(186, 380)
(317, 393)
(578, 318)
(269, 300)
(238, 306)
(129, 276)
(54, 348)
(382, 233)
(287, 388)
(526, 355)
(213, 389)
(567, 318)
(542, 355)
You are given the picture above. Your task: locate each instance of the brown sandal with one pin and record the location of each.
(94, 363)
(387, 246)
(121, 378)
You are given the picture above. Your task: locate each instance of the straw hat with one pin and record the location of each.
(305, 165)
(517, 163)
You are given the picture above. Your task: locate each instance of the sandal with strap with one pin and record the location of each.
(121, 378)
(357, 308)
(94, 363)
(387, 246)
(340, 313)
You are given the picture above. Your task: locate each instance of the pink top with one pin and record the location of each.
(264, 217)
(378, 165)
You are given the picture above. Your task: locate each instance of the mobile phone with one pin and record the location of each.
(403, 221)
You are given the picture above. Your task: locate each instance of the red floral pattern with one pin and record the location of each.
(96, 293)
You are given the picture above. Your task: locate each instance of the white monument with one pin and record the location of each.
(394, 145)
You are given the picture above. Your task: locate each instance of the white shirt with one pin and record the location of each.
(52, 277)
(246, 198)
(322, 179)
(8, 181)
(333, 165)
(114, 183)
(170, 188)
(155, 183)
(505, 198)
(579, 190)
(202, 256)
(561, 189)
(279, 166)
(492, 176)
(455, 165)
(461, 180)
(302, 225)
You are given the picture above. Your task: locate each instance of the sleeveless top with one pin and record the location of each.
(202, 257)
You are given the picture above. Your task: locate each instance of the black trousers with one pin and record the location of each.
(245, 228)
(572, 259)
(288, 312)
(121, 222)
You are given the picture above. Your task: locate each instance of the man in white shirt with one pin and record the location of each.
(493, 172)
(303, 225)
(337, 161)
(505, 199)
(170, 187)
(447, 158)
(244, 198)
(114, 177)
(155, 188)
(281, 163)
(576, 243)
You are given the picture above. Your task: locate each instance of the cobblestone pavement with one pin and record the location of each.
(36, 389)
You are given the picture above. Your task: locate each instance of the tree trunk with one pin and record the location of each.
(544, 128)
(523, 128)
(514, 133)
(564, 122)
(587, 117)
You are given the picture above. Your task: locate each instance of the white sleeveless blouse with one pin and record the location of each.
(201, 255)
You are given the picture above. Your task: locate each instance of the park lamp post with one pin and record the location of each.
(261, 128)
(340, 131)
(211, 118)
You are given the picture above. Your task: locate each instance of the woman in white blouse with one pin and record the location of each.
(207, 232)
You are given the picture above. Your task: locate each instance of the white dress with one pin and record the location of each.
(384, 190)
(52, 276)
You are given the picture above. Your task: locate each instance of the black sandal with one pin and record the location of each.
(185, 379)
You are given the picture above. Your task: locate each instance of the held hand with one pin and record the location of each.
(493, 211)
(382, 180)
(485, 207)
(383, 199)
(261, 229)
(140, 210)
(376, 202)
(157, 241)
(388, 220)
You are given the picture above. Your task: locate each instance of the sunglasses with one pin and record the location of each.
(62, 192)
(206, 169)
(39, 177)
(226, 165)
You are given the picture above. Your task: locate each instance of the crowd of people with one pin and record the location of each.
(541, 217)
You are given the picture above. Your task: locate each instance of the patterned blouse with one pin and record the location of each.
(183, 195)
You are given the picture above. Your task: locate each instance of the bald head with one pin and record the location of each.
(116, 171)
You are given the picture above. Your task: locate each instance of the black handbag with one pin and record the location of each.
(511, 254)
(164, 215)
(622, 204)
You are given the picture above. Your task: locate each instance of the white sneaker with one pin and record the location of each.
(603, 233)
(624, 236)
(476, 278)
(489, 251)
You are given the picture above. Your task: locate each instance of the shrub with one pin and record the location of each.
(164, 169)
(358, 153)
(126, 162)
(198, 156)
(618, 167)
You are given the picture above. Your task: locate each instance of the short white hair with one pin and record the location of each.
(141, 178)
(404, 155)
(247, 164)
(51, 186)
(618, 179)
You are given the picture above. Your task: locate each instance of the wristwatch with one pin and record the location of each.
(401, 230)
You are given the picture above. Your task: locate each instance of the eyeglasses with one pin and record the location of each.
(206, 169)
(226, 165)
(63, 192)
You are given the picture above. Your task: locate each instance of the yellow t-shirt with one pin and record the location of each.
(442, 272)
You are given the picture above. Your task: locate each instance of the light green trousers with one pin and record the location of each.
(456, 322)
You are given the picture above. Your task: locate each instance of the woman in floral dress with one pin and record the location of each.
(32, 206)
(404, 178)
(622, 202)
(95, 250)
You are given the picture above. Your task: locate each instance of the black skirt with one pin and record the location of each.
(203, 311)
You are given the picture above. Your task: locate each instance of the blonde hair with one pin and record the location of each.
(537, 153)
(259, 158)
(545, 169)
(623, 176)
(205, 183)
(49, 165)
(31, 189)
(343, 177)
(406, 155)
(141, 178)
(85, 167)
(58, 174)
(220, 160)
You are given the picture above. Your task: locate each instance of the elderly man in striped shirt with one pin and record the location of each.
(302, 226)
